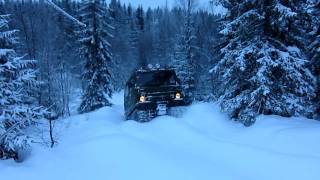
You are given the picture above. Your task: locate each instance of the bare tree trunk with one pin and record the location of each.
(51, 133)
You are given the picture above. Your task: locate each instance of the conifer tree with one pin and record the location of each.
(140, 27)
(184, 56)
(17, 107)
(96, 76)
(262, 71)
(133, 36)
(314, 48)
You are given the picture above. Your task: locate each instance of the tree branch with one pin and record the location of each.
(64, 13)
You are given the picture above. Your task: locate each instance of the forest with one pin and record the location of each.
(260, 58)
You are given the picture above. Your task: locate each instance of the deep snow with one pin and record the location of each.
(202, 144)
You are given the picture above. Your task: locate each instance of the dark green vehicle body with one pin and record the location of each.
(159, 87)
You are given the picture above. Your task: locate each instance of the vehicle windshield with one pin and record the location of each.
(156, 78)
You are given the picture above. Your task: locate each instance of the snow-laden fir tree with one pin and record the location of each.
(183, 59)
(261, 71)
(314, 47)
(17, 107)
(96, 76)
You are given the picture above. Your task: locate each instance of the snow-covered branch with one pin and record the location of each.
(64, 13)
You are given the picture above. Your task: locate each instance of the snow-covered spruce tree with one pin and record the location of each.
(260, 71)
(17, 108)
(96, 76)
(314, 48)
(183, 59)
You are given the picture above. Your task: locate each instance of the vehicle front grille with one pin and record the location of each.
(157, 97)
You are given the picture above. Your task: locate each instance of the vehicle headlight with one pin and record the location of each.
(178, 95)
(142, 99)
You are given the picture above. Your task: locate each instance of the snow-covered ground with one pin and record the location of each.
(202, 144)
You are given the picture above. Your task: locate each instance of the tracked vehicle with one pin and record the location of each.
(151, 92)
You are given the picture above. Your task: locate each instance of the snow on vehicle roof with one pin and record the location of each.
(156, 67)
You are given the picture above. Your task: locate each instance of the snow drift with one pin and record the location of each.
(202, 144)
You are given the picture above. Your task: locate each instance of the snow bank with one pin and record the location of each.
(200, 145)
